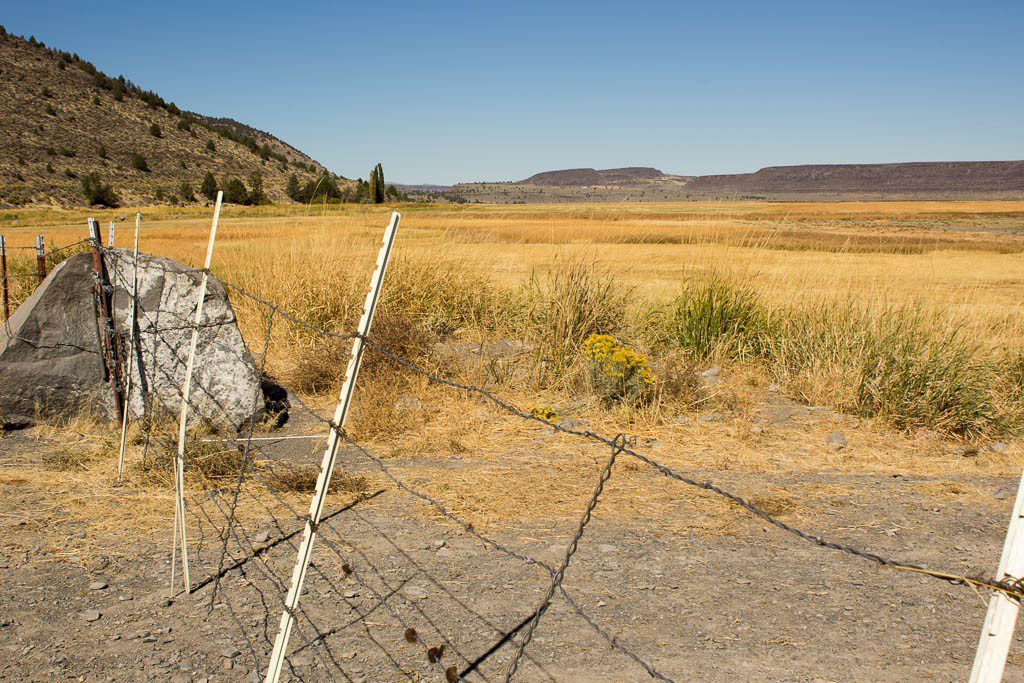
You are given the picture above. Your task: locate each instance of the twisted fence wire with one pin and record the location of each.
(570, 550)
(1010, 587)
(227, 534)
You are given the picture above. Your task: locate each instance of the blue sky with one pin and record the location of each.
(448, 92)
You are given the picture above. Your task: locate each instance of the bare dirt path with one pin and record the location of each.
(749, 604)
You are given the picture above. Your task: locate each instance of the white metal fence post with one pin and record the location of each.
(131, 344)
(110, 235)
(179, 461)
(330, 455)
(1001, 618)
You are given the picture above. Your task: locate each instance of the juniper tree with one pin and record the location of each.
(209, 186)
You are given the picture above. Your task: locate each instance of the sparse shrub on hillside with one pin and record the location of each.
(119, 90)
(210, 147)
(50, 151)
(185, 190)
(159, 194)
(49, 167)
(139, 162)
(65, 152)
(155, 131)
(184, 123)
(235, 192)
(96, 100)
(50, 110)
(98, 192)
(46, 92)
(208, 188)
(101, 151)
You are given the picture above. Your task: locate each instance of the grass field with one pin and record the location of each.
(911, 312)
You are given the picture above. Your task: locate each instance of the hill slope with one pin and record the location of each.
(61, 119)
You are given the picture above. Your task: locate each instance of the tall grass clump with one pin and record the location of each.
(575, 300)
(897, 363)
(443, 296)
(711, 317)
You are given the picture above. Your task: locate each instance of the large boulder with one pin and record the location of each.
(50, 354)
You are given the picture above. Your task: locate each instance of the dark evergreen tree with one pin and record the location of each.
(293, 190)
(235, 192)
(256, 193)
(378, 191)
(98, 192)
(209, 186)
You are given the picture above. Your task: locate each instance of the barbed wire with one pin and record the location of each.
(231, 530)
(570, 550)
(1014, 588)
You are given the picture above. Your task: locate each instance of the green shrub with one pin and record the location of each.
(711, 316)
(210, 147)
(185, 190)
(98, 192)
(139, 162)
(155, 131)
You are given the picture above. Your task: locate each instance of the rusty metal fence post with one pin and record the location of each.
(109, 336)
(3, 277)
(40, 258)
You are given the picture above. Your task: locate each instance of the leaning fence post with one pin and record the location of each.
(3, 277)
(179, 461)
(131, 343)
(1001, 618)
(316, 508)
(40, 258)
(110, 340)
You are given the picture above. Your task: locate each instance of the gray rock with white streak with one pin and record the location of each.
(50, 358)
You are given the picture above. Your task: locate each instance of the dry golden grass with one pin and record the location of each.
(461, 270)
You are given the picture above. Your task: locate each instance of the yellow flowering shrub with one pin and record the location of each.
(618, 372)
(544, 413)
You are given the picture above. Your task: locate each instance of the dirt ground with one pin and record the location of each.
(698, 589)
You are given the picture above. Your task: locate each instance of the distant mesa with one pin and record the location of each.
(926, 180)
(584, 177)
(927, 177)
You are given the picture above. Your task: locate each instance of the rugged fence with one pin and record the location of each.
(247, 542)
